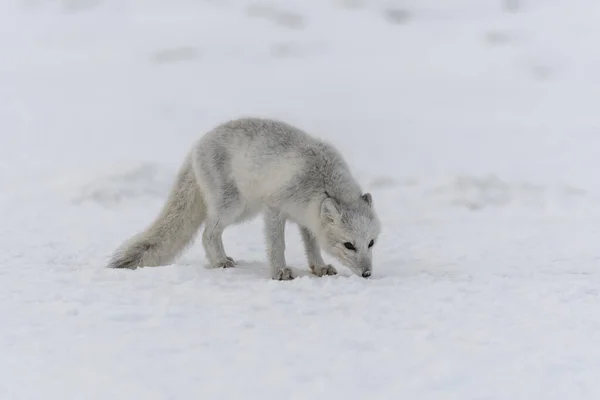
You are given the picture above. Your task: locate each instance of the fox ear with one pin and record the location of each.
(329, 210)
(368, 198)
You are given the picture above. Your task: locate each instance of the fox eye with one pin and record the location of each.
(349, 246)
(371, 243)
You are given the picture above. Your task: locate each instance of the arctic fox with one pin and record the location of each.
(251, 165)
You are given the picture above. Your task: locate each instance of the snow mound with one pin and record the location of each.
(479, 192)
(485, 193)
(146, 181)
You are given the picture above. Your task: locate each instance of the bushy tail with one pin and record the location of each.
(172, 230)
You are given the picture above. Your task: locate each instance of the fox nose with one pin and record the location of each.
(366, 274)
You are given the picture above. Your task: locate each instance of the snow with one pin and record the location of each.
(474, 126)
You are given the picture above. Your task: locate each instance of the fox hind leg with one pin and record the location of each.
(225, 210)
(212, 240)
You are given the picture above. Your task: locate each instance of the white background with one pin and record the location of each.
(475, 127)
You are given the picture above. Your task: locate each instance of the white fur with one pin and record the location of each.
(247, 166)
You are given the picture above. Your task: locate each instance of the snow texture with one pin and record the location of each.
(474, 124)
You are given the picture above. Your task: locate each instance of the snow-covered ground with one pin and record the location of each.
(475, 126)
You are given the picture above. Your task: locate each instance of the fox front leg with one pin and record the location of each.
(313, 254)
(275, 237)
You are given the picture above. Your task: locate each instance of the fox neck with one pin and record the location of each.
(313, 221)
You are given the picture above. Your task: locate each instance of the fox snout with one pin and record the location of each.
(366, 268)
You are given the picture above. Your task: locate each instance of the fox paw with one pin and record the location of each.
(323, 270)
(283, 274)
(229, 263)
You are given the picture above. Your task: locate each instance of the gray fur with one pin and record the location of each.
(250, 165)
(171, 231)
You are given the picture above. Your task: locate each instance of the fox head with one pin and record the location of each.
(350, 231)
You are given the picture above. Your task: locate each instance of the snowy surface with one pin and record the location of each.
(474, 125)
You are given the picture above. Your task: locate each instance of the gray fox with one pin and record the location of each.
(250, 165)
